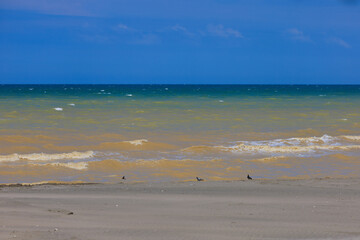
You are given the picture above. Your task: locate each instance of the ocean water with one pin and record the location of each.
(99, 133)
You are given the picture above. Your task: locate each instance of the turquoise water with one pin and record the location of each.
(235, 124)
(179, 107)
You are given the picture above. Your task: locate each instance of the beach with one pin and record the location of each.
(64, 150)
(317, 208)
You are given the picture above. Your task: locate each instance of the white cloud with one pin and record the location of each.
(147, 39)
(122, 26)
(184, 30)
(220, 31)
(178, 28)
(296, 34)
(339, 42)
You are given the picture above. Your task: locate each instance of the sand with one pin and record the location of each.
(258, 209)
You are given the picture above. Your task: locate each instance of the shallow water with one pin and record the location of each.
(177, 132)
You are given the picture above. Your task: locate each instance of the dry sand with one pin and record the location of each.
(258, 209)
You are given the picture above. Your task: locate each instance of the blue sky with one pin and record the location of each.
(180, 41)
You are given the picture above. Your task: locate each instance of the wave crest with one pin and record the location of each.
(352, 138)
(287, 149)
(295, 145)
(137, 142)
(46, 156)
(72, 165)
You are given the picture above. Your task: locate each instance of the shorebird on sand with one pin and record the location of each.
(248, 177)
(199, 179)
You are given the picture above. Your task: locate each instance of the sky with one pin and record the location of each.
(180, 41)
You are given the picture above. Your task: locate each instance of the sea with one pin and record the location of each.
(149, 133)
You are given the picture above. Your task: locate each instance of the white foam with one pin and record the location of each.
(137, 142)
(58, 109)
(288, 149)
(353, 138)
(46, 156)
(307, 141)
(294, 145)
(129, 95)
(72, 165)
(71, 104)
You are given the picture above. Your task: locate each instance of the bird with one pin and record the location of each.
(248, 177)
(123, 178)
(199, 179)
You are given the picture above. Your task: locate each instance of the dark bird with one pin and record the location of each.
(199, 179)
(248, 177)
(123, 178)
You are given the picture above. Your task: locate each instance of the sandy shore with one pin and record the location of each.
(259, 209)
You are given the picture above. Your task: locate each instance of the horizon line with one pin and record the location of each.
(190, 84)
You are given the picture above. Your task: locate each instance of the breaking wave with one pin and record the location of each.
(322, 144)
(137, 142)
(353, 138)
(45, 156)
(72, 165)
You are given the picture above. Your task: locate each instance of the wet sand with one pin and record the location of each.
(258, 209)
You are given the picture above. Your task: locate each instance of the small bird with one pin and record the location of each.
(199, 179)
(248, 177)
(123, 178)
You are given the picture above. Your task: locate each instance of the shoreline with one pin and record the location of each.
(325, 208)
(222, 180)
